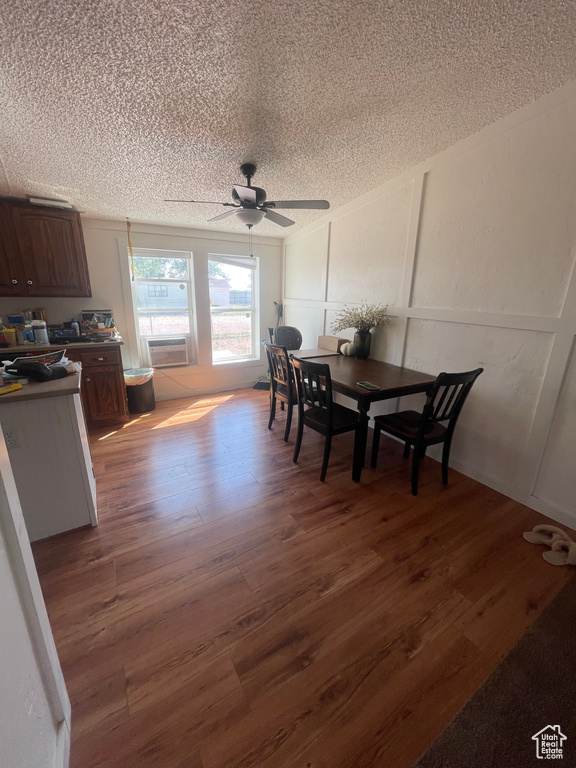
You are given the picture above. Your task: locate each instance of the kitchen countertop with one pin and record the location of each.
(36, 348)
(36, 390)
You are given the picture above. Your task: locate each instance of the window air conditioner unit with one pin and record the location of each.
(165, 352)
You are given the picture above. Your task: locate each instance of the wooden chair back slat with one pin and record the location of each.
(447, 396)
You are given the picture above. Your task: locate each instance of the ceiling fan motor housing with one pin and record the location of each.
(260, 196)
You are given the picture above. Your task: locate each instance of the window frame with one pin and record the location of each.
(245, 262)
(190, 336)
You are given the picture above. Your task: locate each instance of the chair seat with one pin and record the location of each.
(343, 419)
(405, 425)
(282, 392)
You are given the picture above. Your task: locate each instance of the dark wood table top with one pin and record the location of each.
(392, 380)
(305, 354)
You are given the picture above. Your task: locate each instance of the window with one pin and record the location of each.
(163, 295)
(157, 290)
(233, 289)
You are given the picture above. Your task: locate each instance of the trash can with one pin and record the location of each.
(140, 389)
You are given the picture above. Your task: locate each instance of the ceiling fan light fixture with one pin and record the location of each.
(250, 216)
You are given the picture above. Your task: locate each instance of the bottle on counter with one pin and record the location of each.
(40, 332)
(74, 325)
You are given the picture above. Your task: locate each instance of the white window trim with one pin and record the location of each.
(142, 341)
(247, 262)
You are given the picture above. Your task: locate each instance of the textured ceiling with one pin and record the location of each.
(117, 104)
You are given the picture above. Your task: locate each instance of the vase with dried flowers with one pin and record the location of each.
(363, 318)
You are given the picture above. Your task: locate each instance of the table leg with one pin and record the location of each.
(360, 438)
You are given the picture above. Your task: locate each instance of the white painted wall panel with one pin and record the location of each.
(556, 482)
(309, 321)
(494, 426)
(305, 266)
(479, 268)
(367, 249)
(498, 227)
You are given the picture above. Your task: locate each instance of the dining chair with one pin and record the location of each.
(286, 336)
(282, 386)
(317, 409)
(444, 402)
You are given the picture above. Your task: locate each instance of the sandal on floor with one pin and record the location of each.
(562, 553)
(546, 534)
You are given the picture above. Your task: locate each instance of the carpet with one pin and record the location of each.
(533, 687)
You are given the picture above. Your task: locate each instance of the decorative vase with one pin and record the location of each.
(361, 343)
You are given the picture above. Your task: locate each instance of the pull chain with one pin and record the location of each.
(250, 241)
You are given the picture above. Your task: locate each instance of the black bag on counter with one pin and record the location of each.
(37, 371)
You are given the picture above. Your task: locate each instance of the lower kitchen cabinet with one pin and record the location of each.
(103, 390)
(104, 400)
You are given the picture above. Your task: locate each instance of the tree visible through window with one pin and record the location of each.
(162, 292)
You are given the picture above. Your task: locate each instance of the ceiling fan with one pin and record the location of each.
(250, 205)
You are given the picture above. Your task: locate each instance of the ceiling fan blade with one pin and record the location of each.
(222, 216)
(208, 202)
(246, 194)
(278, 218)
(310, 205)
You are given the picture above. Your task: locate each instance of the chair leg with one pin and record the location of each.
(272, 409)
(298, 438)
(415, 470)
(406, 449)
(289, 409)
(445, 460)
(375, 447)
(327, 446)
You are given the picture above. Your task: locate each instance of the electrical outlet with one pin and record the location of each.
(11, 437)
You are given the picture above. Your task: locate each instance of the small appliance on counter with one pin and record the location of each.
(64, 334)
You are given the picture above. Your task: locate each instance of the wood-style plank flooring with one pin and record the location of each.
(231, 611)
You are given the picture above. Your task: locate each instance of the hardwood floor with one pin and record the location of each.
(231, 611)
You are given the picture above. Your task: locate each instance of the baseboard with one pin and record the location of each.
(555, 513)
(206, 391)
(62, 759)
(558, 514)
(492, 482)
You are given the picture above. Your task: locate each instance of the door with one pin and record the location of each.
(52, 251)
(102, 394)
(35, 722)
(11, 281)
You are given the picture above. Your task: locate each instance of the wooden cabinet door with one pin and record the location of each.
(51, 246)
(103, 395)
(11, 279)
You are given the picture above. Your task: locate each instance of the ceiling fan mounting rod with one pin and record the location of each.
(248, 170)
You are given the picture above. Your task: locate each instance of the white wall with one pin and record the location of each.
(473, 251)
(106, 250)
(35, 709)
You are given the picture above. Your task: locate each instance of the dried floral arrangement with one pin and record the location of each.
(362, 318)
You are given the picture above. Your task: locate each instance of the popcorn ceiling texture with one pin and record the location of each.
(117, 104)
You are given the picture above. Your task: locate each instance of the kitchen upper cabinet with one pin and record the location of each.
(41, 252)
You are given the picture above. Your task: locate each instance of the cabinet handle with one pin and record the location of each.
(14, 282)
(87, 379)
(29, 282)
(99, 358)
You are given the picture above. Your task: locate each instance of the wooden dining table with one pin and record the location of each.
(391, 380)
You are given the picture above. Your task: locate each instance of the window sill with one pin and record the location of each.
(240, 360)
